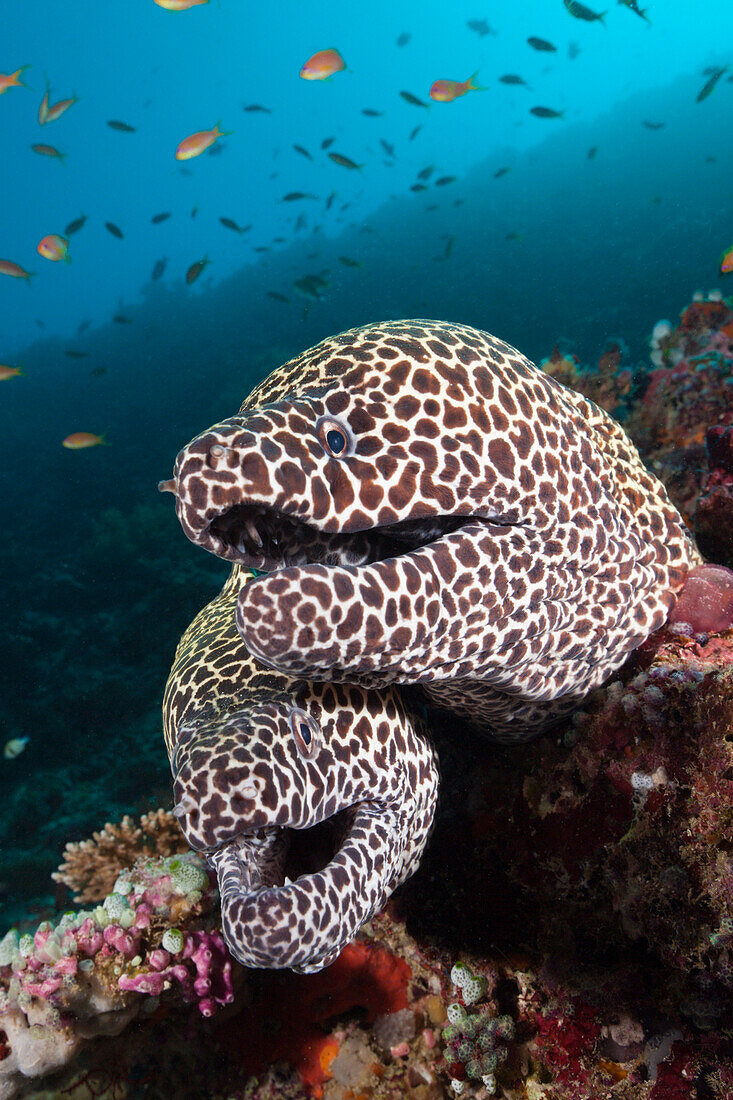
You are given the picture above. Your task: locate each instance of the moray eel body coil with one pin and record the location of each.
(431, 508)
(273, 773)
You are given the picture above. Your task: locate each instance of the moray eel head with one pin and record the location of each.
(431, 508)
(311, 815)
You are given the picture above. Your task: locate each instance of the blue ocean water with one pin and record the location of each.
(592, 224)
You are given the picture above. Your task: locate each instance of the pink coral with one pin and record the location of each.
(706, 601)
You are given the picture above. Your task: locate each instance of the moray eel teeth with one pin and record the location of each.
(431, 508)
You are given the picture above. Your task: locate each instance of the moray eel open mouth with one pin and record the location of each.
(272, 882)
(260, 537)
(310, 805)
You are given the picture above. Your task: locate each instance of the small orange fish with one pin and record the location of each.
(43, 109)
(445, 91)
(196, 144)
(195, 270)
(9, 372)
(58, 108)
(53, 247)
(726, 261)
(179, 5)
(10, 80)
(48, 151)
(322, 65)
(15, 271)
(77, 441)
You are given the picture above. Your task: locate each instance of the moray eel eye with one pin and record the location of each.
(307, 733)
(334, 438)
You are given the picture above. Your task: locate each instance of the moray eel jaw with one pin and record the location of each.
(303, 925)
(308, 834)
(227, 504)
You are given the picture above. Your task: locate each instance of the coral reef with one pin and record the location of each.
(91, 867)
(584, 881)
(85, 975)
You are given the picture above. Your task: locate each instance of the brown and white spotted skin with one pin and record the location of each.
(259, 759)
(432, 508)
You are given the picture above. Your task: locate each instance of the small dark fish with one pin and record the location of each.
(82, 327)
(76, 354)
(387, 146)
(229, 223)
(121, 319)
(592, 152)
(195, 269)
(277, 296)
(512, 78)
(217, 149)
(710, 160)
(252, 107)
(114, 230)
(545, 112)
(371, 113)
(158, 218)
(312, 286)
(513, 237)
(261, 248)
(293, 196)
(75, 226)
(404, 38)
(579, 11)
(330, 199)
(542, 45)
(445, 179)
(303, 152)
(414, 133)
(279, 240)
(123, 127)
(158, 269)
(433, 206)
(327, 143)
(410, 98)
(301, 223)
(345, 162)
(448, 247)
(426, 173)
(501, 172)
(654, 125)
(97, 372)
(632, 6)
(194, 211)
(348, 262)
(573, 50)
(710, 84)
(418, 187)
(480, 26)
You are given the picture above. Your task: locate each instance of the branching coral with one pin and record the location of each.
(91, 867)
(86, 975)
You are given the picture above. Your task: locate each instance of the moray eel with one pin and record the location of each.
(274, 777)
(431, 508)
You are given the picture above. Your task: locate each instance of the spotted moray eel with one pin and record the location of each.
(259, 759)
(431, 508)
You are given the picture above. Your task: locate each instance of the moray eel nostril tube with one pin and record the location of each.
(432, 509)
(312, 802)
